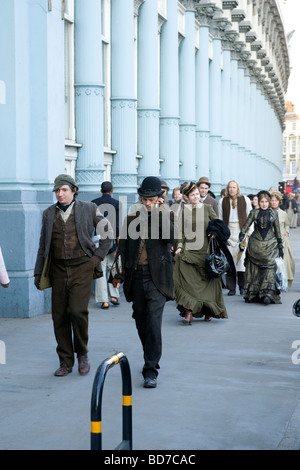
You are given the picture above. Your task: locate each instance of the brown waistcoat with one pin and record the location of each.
(241, 208)
(64, 243)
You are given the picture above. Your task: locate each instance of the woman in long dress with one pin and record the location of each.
(264, 246)
(196, 295)
(291, 210)
(288, 259)
(297, 199)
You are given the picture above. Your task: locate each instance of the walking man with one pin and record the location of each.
(110, 208)
(234, 210)
(204, 184)
(66, 239)
(146, 268)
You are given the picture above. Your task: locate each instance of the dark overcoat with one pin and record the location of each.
(158, 251)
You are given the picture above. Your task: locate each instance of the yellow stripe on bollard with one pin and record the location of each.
(127, 400)
(96, 427)
(115, 358)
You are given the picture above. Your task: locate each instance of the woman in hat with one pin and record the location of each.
(289, 262)
(195, 293)
(291, 210)
(265, 244)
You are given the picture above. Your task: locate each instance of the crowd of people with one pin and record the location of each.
(158, 254)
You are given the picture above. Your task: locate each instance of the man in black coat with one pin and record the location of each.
(146, 267)
(110, 208)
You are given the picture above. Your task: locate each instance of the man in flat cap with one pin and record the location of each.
(66, 239)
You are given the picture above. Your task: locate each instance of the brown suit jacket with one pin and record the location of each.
(86, 220)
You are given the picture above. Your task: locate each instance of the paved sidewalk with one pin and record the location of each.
(228, 384)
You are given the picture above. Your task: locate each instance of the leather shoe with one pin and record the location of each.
(83, 364)
(231, 292)
(63, 370)
(114, 301)
(242, 291)
(150, 383)
(266, 300)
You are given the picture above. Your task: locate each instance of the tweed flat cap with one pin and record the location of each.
(63, 179)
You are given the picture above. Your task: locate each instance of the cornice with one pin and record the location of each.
(238, 15)
(229, 4)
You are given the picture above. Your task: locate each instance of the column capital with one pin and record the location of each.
(205, 13)
(237, 48)
(189, 5)
(219, 24)
(137, 4)
(229, 36)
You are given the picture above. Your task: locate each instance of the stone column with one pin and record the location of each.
(253, 133)
(241, 126)
(89, 95)
(226, 116)
(187, 96)
(234, 112)
(148, 110)
(228, 38)
(123, 100)
(169, 103)
(204, 14)
(32, 141)
(215, 114)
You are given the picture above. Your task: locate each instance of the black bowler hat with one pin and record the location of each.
(150, 187)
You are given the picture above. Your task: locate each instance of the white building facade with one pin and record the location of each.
(122, 89)
(291, 145)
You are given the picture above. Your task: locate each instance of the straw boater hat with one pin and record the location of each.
(276, 193)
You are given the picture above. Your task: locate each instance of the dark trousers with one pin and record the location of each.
(71, 291)
(231, 280)
(148, 305)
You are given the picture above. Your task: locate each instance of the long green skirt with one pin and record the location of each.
(196, 292)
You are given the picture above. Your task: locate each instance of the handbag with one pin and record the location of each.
(116, 269)
(281, 281)
(216, 263)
